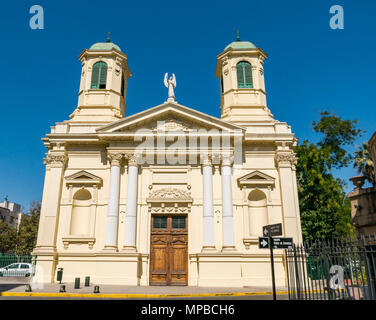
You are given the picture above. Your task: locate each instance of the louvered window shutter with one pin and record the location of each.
(103, 76)
(240, 75)
(99, 75)
(95, 77)
(244, 75)
(248, 76)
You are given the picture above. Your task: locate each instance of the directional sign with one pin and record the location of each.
(263, 243)
(274, 229)
(278, 243)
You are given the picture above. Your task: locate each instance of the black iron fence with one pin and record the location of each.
(333, 270)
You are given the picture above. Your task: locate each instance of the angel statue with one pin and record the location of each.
(170, 84)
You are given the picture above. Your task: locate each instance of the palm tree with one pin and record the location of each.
(363, 162)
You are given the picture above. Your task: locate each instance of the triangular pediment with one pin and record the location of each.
(257, 178)
(83, 177)
(168, 117)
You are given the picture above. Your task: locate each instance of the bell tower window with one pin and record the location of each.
(244, 74)
(99, 75)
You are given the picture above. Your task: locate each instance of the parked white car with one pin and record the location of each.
(21, 269)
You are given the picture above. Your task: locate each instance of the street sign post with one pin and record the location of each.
(268, 242)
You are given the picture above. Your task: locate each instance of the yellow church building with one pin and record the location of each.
(170, 195)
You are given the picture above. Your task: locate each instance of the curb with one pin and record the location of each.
(124, 296)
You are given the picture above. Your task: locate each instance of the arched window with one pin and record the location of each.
(99, 75)
(258, 212)
(80, 213)
(244, 74)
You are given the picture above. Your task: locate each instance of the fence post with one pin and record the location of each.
(287, 272)
(370, 282)
(326, 263)
(297, 280)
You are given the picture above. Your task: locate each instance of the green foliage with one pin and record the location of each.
(28, 230)
(8, 237)
(324, 207)
(364, 163)
(338, 134)
(21, 242)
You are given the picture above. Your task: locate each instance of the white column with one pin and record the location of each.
(227, 215)
(131, 209)
(113, 201)
(208, 207)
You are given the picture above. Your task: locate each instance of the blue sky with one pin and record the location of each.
(310, 68)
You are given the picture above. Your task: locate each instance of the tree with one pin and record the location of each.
(325, 209)
(364, 163)
(8, 237)
(28, 230)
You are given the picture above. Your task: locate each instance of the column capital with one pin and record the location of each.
(55, 160)
(114, 158)
(227, 160)
(286, 160)
(132, 159)
(206, 160)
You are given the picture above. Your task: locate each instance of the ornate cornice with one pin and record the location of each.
(55, 160)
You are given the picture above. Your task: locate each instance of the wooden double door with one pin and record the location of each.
(169, 250)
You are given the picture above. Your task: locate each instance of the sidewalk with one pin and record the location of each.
(16, 287)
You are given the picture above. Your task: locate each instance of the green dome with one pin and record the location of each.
(104, 46)
(241, 45)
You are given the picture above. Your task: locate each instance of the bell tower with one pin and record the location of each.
(240, 69)
(104, 78)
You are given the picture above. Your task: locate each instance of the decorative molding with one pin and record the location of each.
(171, 124)
(55, 160)
(78, 239)
(169, 210)
(83, 177)
(256, 178)
(250, 241)
(169, 195)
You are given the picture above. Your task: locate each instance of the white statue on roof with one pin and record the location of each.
(170, 83)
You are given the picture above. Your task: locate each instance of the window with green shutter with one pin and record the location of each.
(99, 75)
(244, 74)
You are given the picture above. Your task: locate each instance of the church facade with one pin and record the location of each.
(170, 195)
